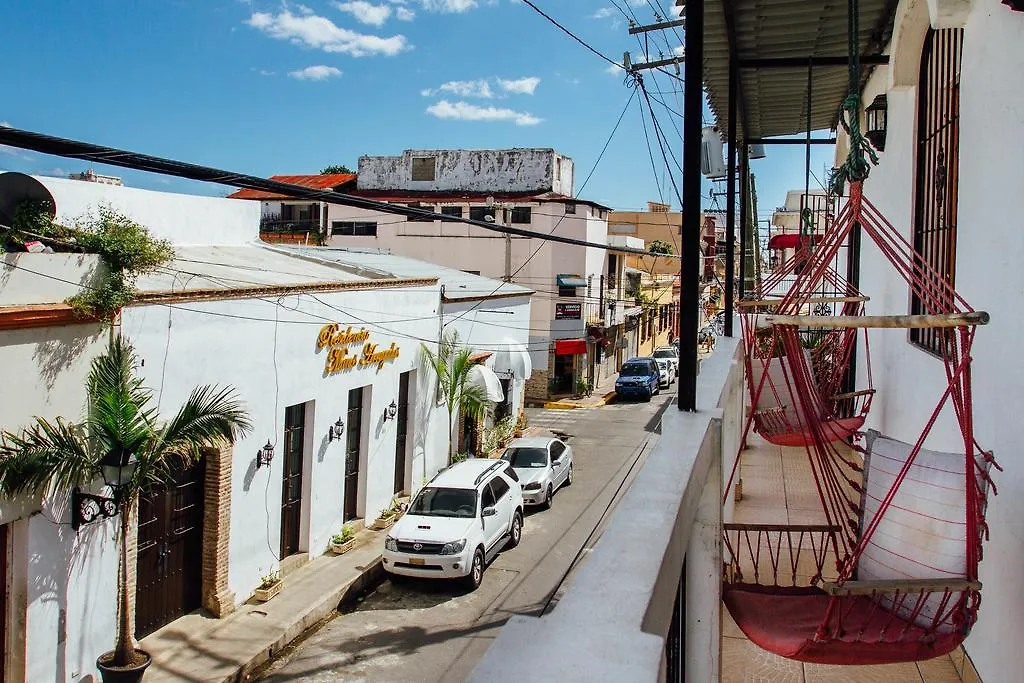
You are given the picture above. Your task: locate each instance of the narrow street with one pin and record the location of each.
(429, 632)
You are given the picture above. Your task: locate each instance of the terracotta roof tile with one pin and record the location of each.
(327, 181)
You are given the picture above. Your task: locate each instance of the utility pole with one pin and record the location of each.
(508, 257)
(503, 208)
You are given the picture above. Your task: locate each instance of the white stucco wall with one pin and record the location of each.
(484, 170)
(989, 247)
(274, 365)
(27, 279)
(181, 218)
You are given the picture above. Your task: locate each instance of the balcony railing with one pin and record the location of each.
(278, 225)
(623, 615)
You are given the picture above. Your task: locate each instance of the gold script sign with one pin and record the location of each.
(340, 357)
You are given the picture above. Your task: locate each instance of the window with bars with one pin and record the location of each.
(354, 228)
(938, 139)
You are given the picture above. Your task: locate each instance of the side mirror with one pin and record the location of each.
(557, 462)
(488, 512)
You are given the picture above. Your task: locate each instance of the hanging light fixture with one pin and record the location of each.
(390, 412)
(336, 430)
(265, 455)
(117, 467)
(877, 120)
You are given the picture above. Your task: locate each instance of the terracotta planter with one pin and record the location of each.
(264, 594)
(342, 548)
(132, 674)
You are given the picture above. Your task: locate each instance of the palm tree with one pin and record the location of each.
(451, 365)
(120, 427)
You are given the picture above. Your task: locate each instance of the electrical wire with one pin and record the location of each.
(572, 35)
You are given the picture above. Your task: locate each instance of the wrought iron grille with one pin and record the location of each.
(938, 142)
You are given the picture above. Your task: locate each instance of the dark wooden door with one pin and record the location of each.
(353, 446)
(3, 600)
(291, 482)
(402, 430)
(170, 556)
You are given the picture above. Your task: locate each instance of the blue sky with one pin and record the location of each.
(267, 87)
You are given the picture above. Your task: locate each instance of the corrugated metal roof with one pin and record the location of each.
(457, 284)
(775, 99)
(325, 181)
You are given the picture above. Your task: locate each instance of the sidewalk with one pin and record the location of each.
(601, 395)
(198, 647)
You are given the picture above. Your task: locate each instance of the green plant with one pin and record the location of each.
(336, 168)
(660, 248)
(451, 365)
(582, 387)
(120, 422)
(500, 434)
(345, 535)
(522, 422)
(271, 579)
(459, 457)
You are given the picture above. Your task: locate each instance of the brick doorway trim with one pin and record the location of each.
(217, 598)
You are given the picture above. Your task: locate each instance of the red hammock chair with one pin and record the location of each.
(892, 574)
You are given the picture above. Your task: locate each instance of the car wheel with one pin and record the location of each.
(648, 396)
(515, 534)
(547, 498)
(476, 571)
(568, 477)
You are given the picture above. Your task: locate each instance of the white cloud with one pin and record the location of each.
(464, 111)
(519, 86)
(365, 12)
(404, 14)
(448, 6)
(5, 124)
(480, 88)
(318, 32)
(315, 73)
(614, 70)
(603, 13)
(679, 50)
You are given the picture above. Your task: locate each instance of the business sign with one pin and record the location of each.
(341, 356)
(568, 311)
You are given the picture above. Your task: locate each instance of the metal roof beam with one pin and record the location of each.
(804, 62)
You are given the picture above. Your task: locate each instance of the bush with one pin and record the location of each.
(344, 536)
(500, 434)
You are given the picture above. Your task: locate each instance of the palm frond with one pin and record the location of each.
(114, 373)
(210, 415)
(45, 457)
(473, 401)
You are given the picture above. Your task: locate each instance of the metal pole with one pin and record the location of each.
(730, 208)
(689, 266)
(744, 211)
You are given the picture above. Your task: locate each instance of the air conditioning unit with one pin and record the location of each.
(712, 164)
(756, 151)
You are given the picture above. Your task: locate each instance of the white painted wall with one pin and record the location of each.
(483, 170)
(181, 218)
(274, 365)
(990, 247)
(27, 279)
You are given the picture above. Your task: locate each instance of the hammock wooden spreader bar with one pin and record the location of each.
(774, 303)
(877, 321)
(899, 586)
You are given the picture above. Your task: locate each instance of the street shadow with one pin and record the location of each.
(407, 593)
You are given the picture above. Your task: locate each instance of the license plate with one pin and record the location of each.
(417, 560)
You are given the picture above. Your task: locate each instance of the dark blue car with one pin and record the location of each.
(638, 377)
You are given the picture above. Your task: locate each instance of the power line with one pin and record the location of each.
(572, 35)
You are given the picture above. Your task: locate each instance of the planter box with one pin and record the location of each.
(264, 594)
(342, 548)
(382, 524)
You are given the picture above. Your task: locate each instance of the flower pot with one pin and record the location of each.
(264, 594)
(380, 524)
(344, 547)
(123, 674)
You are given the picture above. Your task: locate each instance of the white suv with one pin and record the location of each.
(458, 522)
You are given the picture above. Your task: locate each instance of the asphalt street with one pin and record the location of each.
(430, 631)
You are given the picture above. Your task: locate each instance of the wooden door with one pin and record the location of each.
(402, 430)
(291, 483)
(170, 552)
(353, 446)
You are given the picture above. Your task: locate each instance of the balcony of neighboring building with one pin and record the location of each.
(292, 223)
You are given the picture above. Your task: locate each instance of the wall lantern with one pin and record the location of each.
(877, 122)
(265, 455)
(117, 467)
(337, 429)
(390, 412)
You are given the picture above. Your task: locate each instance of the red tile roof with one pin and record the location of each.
(327, 181)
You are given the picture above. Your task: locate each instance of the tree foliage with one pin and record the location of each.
(336, 168)
(451, 365)
(660, 248)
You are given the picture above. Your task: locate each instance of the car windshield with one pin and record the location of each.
(440, 502)
(664, 353)
(635, 370)
(527, 457)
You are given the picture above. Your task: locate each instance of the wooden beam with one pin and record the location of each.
(900, 586)
(771, 303)
(658, 63)
(657, 27)
(42, 315)
(879, 321)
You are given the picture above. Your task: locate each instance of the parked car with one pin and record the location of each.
(543, 465)
(671, 353)
(458, 522)
(666, 372)
(638, 377)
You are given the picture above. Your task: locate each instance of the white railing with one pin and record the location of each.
(622, 617)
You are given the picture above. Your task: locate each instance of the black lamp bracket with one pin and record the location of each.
(87, 507)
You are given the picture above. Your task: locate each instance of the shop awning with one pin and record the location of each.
(570, 281)
(570, 347)
(513, 358)
(792, 240)
(482, 376)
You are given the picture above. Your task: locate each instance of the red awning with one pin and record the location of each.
(791, 241)
(570, 347)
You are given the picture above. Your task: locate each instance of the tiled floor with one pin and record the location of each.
(778, 489)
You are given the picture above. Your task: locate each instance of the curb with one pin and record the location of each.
(566, 405)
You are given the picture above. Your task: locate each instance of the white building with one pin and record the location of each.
(306, 343)
(576, 320)
(955, 195)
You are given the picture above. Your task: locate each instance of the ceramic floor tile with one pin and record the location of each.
(744, 662)
(884, 673)
(938, 670)
(729, 627)
(766, 513)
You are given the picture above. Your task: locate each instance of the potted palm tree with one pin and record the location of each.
(122, 440)
(451, 365)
